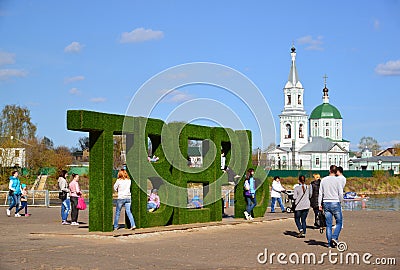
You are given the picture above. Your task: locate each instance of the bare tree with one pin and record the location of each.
(369, 142)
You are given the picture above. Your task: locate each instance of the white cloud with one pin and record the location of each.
(74, 79)
(385, 145)
(98, 100)
(390, 68)
(311, 43)
(176, 96)
(7, 58)
(74, 91)
(377, 24)
(140, 35)
(9, 73)
(74, 47)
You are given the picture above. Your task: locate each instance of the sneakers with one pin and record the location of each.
(74, 224)
(17, 215)
(133, 227)
(27, 215)
(65, 222)
(8, 212)
(247, 215)
(237, 176)
(151, 210)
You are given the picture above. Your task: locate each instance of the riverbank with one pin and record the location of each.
(41, 242)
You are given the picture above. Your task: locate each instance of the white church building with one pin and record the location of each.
(308, 142)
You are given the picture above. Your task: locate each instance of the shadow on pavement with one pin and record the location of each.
(313, 242)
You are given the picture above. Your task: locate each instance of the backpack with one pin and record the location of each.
(246, 188)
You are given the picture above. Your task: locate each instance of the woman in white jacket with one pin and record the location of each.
(123, 186)
(276, 191)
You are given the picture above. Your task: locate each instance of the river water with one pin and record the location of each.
(375, 202)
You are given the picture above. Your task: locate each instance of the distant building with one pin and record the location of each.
(369, 162)
(310, 143)
(81, 157)
(12, 154)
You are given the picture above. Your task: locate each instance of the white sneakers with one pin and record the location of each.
(8, 212)
(17, 215)
(248, 216)
(74, 224)
(65, 222)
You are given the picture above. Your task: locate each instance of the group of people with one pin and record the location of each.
(323, 196)
(17, 196)
(70, 202)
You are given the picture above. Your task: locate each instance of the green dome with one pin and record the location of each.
(325, 110)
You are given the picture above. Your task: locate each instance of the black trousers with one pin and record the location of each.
(74, 210)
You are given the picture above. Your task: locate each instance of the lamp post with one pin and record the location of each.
(379, 163)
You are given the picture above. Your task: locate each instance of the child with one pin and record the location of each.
(154, 201)
(24, 200)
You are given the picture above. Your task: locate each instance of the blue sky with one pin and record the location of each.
(93, 55)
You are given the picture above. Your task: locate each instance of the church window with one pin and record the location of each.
(288, 131)
(327, 132)
(327, 124)
(337, 132)
(301, 135)
(340, 161)
(330, 161)
(289, 99)
(317, 161)
(299, 99)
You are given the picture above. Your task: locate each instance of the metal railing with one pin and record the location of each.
(41, 198)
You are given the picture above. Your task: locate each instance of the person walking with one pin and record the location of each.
(250, 194)
(331, 194)
(65, 202)
(314, 197)
(75, 193)
(301, 195)
(276, 191)
(123, 187)
(341, 177)
(24, 200)
(14, 194)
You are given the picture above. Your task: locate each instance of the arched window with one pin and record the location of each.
(288, 131)
(301, 135)
(299, 99)
(337, 132)
(289, 99)
(327, 132)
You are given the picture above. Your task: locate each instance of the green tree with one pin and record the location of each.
(16, 122)
(369, 142)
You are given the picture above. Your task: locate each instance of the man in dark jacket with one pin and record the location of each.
(314, 197)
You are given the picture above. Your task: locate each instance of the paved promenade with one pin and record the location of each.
(41, 242)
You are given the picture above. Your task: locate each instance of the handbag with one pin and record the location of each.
(62, 195)
(10, 192)
(81, 204)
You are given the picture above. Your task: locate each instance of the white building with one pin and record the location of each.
(11, 154)
(299, 148)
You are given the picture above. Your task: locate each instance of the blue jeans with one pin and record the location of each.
(127, 204)
(333, 209)
(14, 201)
(300, 217)
(151, 205)
(251, 203)
(273, 200)
(24, 205)
(65, 207)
